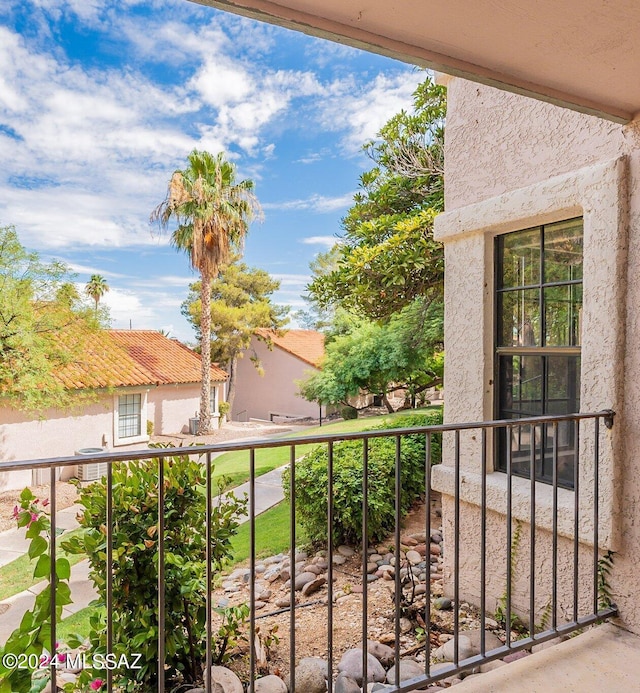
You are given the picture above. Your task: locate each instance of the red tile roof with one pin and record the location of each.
(122, 358)
(307, 345)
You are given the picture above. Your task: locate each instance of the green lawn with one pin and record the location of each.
(17, 576)
(76, 624)
(272, 534)
(235, 465)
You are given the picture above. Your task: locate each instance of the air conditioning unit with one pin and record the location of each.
(94, 471)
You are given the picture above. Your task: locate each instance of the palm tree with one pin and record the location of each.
(213, 213)
(96, 287)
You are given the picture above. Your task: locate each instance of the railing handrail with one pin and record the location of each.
(201, 449)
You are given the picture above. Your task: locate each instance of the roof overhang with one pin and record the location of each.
(581, 54)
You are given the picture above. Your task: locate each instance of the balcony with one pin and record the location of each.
(538, 563)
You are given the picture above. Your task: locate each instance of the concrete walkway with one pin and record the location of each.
(268, 492)
(605, 658)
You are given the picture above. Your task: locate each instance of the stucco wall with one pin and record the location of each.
(275, 392)
(58, 433)
(512, 163)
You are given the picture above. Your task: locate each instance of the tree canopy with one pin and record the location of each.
(213, 213)
(387, 256)
(240, 305)
(43, 326)
(96, 287)
(363, 356)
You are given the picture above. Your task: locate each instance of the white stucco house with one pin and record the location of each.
(270, 391)
(141, 381)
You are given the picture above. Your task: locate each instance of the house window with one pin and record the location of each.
(539, 309)
(129, 416)
(213, 400)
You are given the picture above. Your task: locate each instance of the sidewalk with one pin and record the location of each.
(268, 492)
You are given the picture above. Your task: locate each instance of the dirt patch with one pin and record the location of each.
(312, 614)
(66, 495)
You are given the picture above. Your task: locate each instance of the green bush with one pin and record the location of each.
(348, 413)
(135, 566)
(311, 482)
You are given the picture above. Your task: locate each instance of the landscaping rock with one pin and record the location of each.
(302, 579)
(442, 603)
(414, 557)
(313, 585)
(409, 669)
(317, 662)
(351, 666)
(383, 653)
(309, 678)
(345, 684)
(270, 684)
(447, 651)
(346, 551)
(225, 681)
(491, 640)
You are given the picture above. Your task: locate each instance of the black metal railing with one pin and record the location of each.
(573, 538)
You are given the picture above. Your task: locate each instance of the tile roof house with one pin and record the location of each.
(272, 392)
(143, 381)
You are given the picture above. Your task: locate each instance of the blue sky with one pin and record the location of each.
(100, 100)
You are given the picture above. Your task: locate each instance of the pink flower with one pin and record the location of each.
(96, 684)
(45, 502)
(16, 512)
(34, 518)
(36, 501)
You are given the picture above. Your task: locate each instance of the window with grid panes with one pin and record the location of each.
(129, 415)
(539, 310)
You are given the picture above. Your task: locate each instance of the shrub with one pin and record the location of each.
(348, 413)
(311, 482)
(135, 565)
(223, 408)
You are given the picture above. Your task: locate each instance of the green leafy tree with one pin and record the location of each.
(43, 327)
(213, 213)
(387, 256)
(240, 304)
(96, 287)
(363, 356)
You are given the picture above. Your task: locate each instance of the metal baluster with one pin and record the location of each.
(532, 539)
(330, 567)
(576, 521)
(456, 558)
(109, 570)
(209, 580)
(365, 558)
(427, 606)
(483, 547)
(509, 538)
(252, 568)
(161, 618)
(596, 510)
(398, 582)
(554, 567)
(292, 567)
(53, 579)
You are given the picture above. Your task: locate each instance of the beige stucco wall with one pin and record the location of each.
(512, 163)
(275, 392)
(58, 433)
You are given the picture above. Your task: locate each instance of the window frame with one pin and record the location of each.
(142, 437)
(571, 352)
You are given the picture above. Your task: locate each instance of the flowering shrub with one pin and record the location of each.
(135, 567)
(33, 637)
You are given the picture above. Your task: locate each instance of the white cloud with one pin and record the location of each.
(292, 279)
(329, 241)
(360, 110)
(316, 203)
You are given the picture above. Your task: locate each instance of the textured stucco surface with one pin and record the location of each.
(275, 392)
(512, 163)
(59, 433)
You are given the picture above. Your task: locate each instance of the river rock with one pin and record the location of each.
(345, 684)
(225, 681)
(409, 669)
(309, 678)
(351, 666)
(270, 684)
